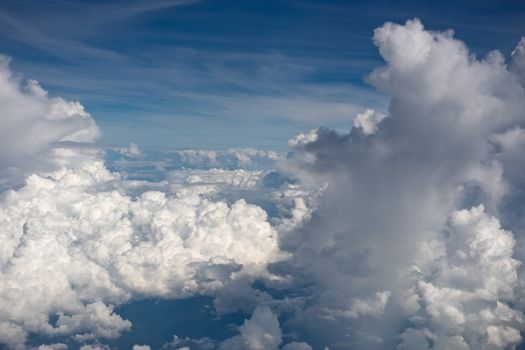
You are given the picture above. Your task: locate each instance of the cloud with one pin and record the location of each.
(141, 347)
(79, 240)
(94, 347)
(406, 232)
(132, 151)
(518, 60)
(465, 293)
(31, 123)
(103, 247)
(367, 121)
(154, 164)
(450, 144)
(57, 346)
(297, 346)
(67, 43)
(261, 331)
(374, 306)
(187, 343)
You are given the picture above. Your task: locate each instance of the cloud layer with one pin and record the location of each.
(406, 232)
(74, 244)
(78, 240)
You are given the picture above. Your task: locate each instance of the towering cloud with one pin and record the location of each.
(413, 201)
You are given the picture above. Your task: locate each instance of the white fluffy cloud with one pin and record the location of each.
(31, 123)
(74, 244)
(78, 240)
(465, 292)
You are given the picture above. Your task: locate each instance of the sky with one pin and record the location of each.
(242, 175)
(219, 74)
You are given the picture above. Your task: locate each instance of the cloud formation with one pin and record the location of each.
(418, 205)
(78, 240)
(75, 244)
(32, 123)
(405, 233)
(260, 332)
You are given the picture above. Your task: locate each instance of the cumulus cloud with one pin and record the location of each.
(132, 151)
(141, 347)
(57, 346)
(465, 290)
(31, 123)
(297, 346)
(401, 212)
(373, 306)
(367, 121)
(261, 331)
(79, 240)
(152, 166)
(74, 245)
(94, 347)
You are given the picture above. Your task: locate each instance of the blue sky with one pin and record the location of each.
(222, 73)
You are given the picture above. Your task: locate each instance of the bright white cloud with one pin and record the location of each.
(141, 347)
(78, 240)
(31, 123)
(303, 139)
(74, 245)
(463, 293)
